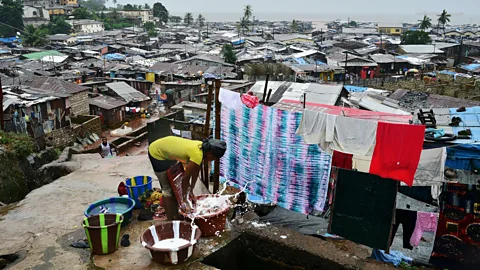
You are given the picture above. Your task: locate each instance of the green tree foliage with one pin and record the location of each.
(415, 37)
(128, 7)
(94, 5)
(201, 21)
(443, 19)
(161, 12)
(247, 12)
(425, 23)
(175, 19)
(229, 54)
(11, 21)
(113, 21)
(243, 24)
(146, 6)
(21, 145)
(294, 26)
(149, 26)
(83, 13)
(34, 37)
(353, 24)
(188, 19)
(58, 25)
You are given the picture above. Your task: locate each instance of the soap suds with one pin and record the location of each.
(172, 244)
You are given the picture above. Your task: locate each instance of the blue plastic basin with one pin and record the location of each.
(114, 205)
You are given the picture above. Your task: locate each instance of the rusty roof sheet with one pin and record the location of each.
(106, 102)
(54, 84)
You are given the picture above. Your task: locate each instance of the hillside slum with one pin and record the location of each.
(342, 126)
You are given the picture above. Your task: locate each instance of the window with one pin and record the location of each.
(34, 13)
(397, 30)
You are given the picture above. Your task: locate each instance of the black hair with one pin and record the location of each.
(214, 146)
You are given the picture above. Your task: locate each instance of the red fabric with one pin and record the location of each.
(363, 74)
(122, 189)
(397, 151)
(342, 160)
(372, 74)
(249, 100)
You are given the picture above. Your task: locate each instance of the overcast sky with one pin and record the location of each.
(413, 8)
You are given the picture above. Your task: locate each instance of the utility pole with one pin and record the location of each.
(216, 171)
(345, 75)
(459, 55)
(207, 29)
(2, 124)
(321, 36)
(207, 130)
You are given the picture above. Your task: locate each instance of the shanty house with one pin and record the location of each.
(391, 29)
(129, 94)
(111, 110)
(78, 95)
(41, 113)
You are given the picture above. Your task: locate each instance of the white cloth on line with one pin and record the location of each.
(176, 132)
(230, 99)
(354, 136)
(330, 127)
(361, 163)
(431, 168)
(312, 127)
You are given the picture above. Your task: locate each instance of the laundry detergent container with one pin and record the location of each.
(136, 186)
(114, 205)
(103, 232)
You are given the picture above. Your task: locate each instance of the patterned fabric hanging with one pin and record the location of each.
(264, 152)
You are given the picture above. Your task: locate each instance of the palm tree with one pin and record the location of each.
(425, 23)
(33, 37)
(244, 24)
(115, 4)
(443, 19)
(294, 26)
(200, 20)
(188, 19)
(247, 12)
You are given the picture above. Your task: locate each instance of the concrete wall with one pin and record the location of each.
(79, 103)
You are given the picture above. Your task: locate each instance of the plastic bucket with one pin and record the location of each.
(168, 230)
(136, 186)
(103, 232)
(114, 205)
(210, 224)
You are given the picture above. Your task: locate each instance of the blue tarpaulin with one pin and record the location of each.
(353, 88)
(463, 157)
(471, 67)
(301, 61)
(8, 40)
(114, 56)
(447, 72)
(470, 120)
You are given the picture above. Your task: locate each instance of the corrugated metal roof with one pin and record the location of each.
(128, 93)
(106, 102)
(53, 84)
(358, 64)
(420, 49)
(40, 55)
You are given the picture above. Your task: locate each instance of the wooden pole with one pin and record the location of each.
(2, 124)
(206, 132)
(216, 172)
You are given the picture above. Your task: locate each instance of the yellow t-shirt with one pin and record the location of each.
(176, 148)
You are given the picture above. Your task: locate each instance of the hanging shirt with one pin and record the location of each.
(176, 148)
(106, 149)
(354, 136)
(397, 151)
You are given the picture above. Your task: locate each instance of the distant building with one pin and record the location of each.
(35, 15)
(390, 29)
(144, 15)
(69, 2)
(60, 10)
(86, 26)
(63, 39)
(291, 39)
